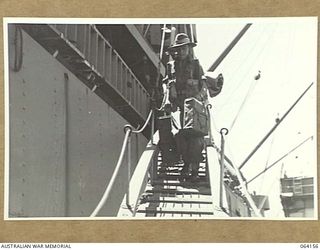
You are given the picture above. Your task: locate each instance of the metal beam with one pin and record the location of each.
(146, 47)
(273, 128)
(229, 48)
(92, 60)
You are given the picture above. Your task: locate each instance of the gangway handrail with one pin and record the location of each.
(128, 130)
(215, 170)
(243, 184)
(236, 170)
(140, 178)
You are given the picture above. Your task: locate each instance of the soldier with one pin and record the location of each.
(189, 81)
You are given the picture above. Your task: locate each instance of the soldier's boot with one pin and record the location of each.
(186, 170)
(195, 171)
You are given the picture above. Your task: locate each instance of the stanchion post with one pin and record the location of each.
(129, 172)
(152, 126)
(223, 132)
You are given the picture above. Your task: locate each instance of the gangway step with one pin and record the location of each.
(174, 210)
(177, 183)
(184, 200)
(172, 215)
(190, 207)
(174, 176)
(190, 196)
(179, 187)
(178, 171)
(179, 191)
(165, 176)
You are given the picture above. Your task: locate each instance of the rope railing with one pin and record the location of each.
(128, 126)
(126, 144)
(114, 175)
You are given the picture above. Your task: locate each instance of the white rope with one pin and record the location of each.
(114, 175)
(144, 126)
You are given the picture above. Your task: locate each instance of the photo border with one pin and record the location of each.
(156, 231)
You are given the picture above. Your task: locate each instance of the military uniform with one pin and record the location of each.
(188, 83)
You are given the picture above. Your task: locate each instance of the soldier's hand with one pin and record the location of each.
(171, 82)
(220, 80)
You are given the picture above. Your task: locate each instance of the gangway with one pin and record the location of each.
(158, 190)
(169, 194)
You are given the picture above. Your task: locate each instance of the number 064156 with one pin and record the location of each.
(309, 245)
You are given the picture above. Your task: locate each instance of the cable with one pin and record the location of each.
(250, 90)
(253, 61)
(165, 97)
(255, 43)
(267, 162)
(278, 122)
(274, 163)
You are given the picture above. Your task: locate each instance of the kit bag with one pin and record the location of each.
(195, 118)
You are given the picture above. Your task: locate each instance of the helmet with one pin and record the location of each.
(181, 40)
